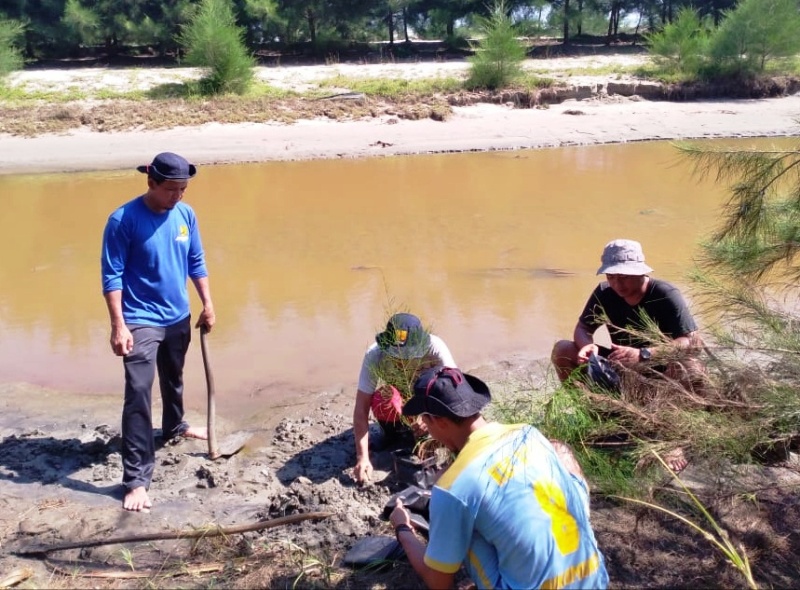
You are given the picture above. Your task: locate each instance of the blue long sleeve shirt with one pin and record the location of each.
(150, 257)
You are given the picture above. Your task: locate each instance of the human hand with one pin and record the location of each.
(363, 470)
(207, 318)
(624, 355)
(419, 428)
(399, 515)
(585, 352)
(121, 340)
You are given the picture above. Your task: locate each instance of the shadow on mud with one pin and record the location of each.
(330, 458)
(31, 458)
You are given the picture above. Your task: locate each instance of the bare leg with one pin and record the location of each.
(195, 432)
(566, 457)
(564, 358)
(137, 500)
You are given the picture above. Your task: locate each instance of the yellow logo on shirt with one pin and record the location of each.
(183, 234)
(562, 524)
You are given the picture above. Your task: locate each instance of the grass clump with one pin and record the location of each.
(530, 81)
(394, 88)
(213, 41)
(16, 95)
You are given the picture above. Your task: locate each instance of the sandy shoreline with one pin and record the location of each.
(477, 128)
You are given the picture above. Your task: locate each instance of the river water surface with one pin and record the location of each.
(496, 252)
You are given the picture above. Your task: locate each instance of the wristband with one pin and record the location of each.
(400, 528)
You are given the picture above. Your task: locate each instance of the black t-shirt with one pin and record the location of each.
(662, 303)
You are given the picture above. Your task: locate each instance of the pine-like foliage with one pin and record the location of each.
(681, 46)
(498, 57)
(10, 55)
(756, 32)
(213, 40)
(749, 270)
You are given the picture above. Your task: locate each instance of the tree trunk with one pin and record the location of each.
(613, 23)
(405, 24)
(580, 17)
(312, 26)
(390, 23)
(566, 22)
(636, 31)
(451, 27)
(109, 43)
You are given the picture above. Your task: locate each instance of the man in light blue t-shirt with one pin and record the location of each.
(151, 248)
(513, 508)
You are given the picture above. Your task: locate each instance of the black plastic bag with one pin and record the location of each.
(602, 374)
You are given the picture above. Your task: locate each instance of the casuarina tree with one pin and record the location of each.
(756, 32)
(213, 41)
(498, 57)
(10, 56)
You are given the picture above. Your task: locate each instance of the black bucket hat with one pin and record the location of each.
(168, 166)
(404, 337)
(447, 392)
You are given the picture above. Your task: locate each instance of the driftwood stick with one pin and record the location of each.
(114, 574)
(15, 577)
(211, 531)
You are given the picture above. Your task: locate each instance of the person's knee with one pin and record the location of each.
(564, 358)
(691, 373)
(564, 353)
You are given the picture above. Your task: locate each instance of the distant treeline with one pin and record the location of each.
(58, 29)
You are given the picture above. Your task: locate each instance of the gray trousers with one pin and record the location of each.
(162, 349)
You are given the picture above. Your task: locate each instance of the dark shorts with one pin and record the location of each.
(396, 435)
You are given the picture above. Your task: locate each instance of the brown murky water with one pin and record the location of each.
(496, 252)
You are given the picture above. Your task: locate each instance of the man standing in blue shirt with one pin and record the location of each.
(151, 247)
(513, 507)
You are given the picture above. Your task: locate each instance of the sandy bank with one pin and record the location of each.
(476, 128)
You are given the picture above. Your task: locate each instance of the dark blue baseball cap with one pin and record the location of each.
(447, 392)
(404, 337)
(169, 166)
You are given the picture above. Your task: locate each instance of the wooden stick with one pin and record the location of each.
(211, 531)
(112, 574)
(213, 449)
(16, 576)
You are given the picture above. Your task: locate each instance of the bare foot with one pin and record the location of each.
(676, 460)
(137, 500)
(195, 432)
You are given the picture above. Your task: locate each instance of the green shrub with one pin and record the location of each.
(10, 55)
(212, 40)
(498, 57)
(681, 46)
(756, 32)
